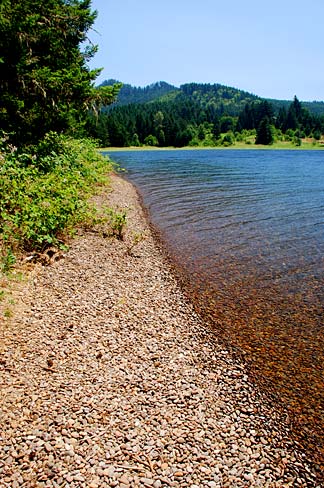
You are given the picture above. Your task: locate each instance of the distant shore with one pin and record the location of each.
(280, 146)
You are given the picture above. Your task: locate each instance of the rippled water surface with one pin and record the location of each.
(248, 228)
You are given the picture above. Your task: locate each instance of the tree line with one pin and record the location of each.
(184, 120)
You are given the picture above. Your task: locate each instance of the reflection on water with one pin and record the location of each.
(248, 226)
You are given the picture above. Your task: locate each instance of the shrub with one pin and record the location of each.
(44, 191)
(117, 223)
(228, 139)
(151, 141)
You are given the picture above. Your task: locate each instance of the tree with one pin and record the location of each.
(264, 132)
(151, 140)
(227, 123)
(281, 120)
(45, 83)
(135, 141)
(158, 127)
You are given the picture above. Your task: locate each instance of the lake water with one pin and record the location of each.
(247, 227)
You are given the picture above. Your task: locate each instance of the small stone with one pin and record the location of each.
(178, 474)
(109, 472)
(147, 481)
(48, 447)
(124, 479)
(248, 477)
(78, 477)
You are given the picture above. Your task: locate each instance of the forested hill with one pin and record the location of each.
(222, 98)
(132, 94)
(203, 115)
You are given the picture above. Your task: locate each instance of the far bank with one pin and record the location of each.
(305, 146)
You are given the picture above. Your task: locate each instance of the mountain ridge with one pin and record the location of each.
(230, 96)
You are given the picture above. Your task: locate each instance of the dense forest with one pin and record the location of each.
(203, 115)
(131, 94)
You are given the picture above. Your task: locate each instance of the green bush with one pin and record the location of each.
(151, 141)
(44, 191)
(228, 139)
(117, 222)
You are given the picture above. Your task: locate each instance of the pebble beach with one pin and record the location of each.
(108, 378)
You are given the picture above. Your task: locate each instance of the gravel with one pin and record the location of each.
(110, 379)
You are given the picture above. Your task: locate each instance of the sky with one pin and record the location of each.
(272, 49)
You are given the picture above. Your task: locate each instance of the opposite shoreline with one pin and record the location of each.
(216, 148)
(110, 378)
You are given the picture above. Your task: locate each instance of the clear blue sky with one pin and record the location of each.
(273, 49)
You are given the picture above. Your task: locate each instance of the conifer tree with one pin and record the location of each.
(264, 132)
(45, 83)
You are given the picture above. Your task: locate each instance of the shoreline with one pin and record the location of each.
(110, 378)
(251, 147)
(303, 435)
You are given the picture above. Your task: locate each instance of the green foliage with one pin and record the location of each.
(45, 82)
(297, 141)
(317, 135)
(131, 94)
(228, 139)
(265, 132)
(197, 115)
(7, 313)
(222, 99)
(117, 222)
(151, 140)
(135, 141)
(8, 259)
(44, 193)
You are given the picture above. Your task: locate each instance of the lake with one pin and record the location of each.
(247, 229)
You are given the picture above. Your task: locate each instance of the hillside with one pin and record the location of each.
(315, 108)
(225, 99)
(132, 94)
(199, 114)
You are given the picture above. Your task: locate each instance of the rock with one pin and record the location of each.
(109, 472)
(248, 477)
(141, 393)
(147, 481)
(178, 474)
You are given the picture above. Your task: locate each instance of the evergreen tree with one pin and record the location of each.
(281, 119)
(246, 119)
(45, 83)
(291, 120)
(264, 132)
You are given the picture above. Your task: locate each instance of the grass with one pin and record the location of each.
(307, 144)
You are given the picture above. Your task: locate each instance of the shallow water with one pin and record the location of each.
(248, 229)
